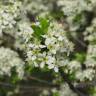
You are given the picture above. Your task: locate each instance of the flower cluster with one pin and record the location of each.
(90, 36)
(50, 49)
(69, 7)
(91, 56)
(75, 11)
(73, 7)
(8, 14)
(74, 68)
(90, 33)
(87, 74)
(45, 6)
(8, 60)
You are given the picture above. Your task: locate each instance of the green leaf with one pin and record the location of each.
(44, 24)
(37, 31)
(80, 57)
(41, 29)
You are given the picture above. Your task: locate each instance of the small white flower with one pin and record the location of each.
(42, 64)
(33, 58)
(37, 23)
(48, 41)
(60, 38)
(56, 69)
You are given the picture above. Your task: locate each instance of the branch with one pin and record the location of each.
(44, 82)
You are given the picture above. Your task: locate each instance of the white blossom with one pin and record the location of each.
(55, 46)
(8, 60)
